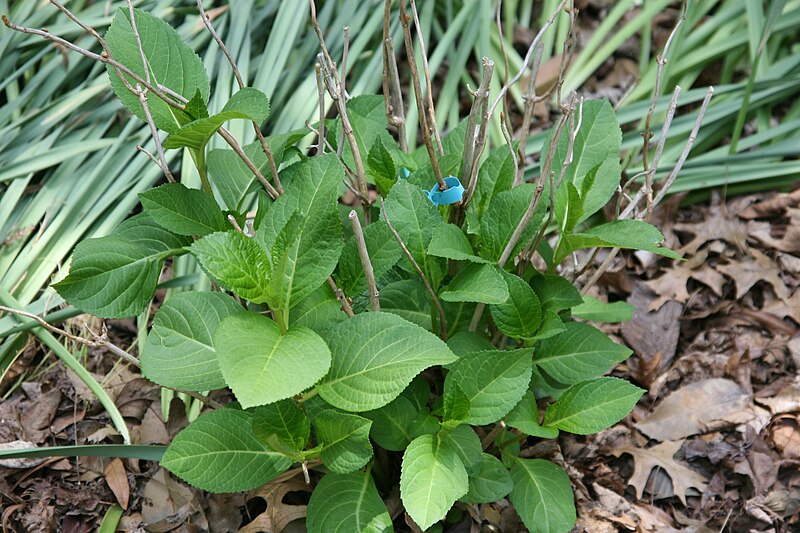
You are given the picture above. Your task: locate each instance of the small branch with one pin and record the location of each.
(363, 254)
(405, 20)
(686, 149)
(661, 61)
(233, 143)
(345, 54)
(334, 85)
(428, 86)
(667, 183)
(428, 287)
(162, 158)
(529, 212)
(392, 93)
(343, 300)
(530, 104)
(240, 82)
(528, 55)
(475, 139)
(321, 97)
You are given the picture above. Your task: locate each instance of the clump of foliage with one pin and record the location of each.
(417, 348)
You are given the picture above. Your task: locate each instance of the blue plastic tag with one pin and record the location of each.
(403, 173)
(453, 194)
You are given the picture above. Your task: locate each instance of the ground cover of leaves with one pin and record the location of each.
(713, 446)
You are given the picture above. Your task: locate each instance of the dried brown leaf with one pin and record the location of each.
(278, 514)
(697, 408)
(786, 401)
(652, 335)
(117, 480)
(672, 284)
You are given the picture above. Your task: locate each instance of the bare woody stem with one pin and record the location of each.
(405, 20)
(428, 86)
(333, 83)
(240, 82)
(436, 302)
(392, 93)
(661, 61)
(475, 137)
(343, 300)
(530, 104)
(528, 55)
(363, 254)
(321, 97)
(141, 94)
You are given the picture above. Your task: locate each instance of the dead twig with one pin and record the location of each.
(240, 82)
(392, 93)
(363, 254)
(334, 85)
(424, 114)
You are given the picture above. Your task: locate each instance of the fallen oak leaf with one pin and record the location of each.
(718, 225)
(661, 455)
(749, 270)
(672, 284)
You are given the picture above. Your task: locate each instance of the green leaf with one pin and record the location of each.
(285, 421)
(490, 483)
(373, 361)
(633, 234)
(466, 342)
(409, 299)
(262, 366)
(477, 283)
(598, 311)
(466, 444)
(432, 479)
(415, 218)
(555, 292)
(496, 175)
(568, 207)
(521, 315)
(552, 325)
(381, 165)
(306, 248)
(347, 503)
(525, 417)
(596, 148)
(116, 276)
(593, 405)
(392, 424)
(170, 61)
(579, 353)
(218, 452)
(502, 218)
(182, 210)
(345, 440)
(542, 495)
(179, 352)
(494, 381)
(319, 310)
(383, 251)
(456, 405)
(449, 241)
(236, 262)
(248, 103)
